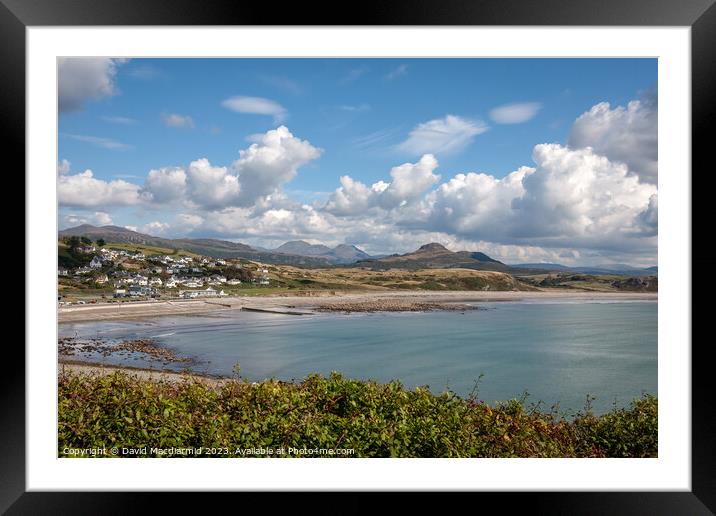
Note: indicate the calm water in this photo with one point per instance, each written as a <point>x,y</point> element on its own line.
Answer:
<point>557,351</point>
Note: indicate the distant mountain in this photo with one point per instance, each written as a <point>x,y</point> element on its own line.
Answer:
<point>434,255</point>
<point>303,248</point>
<point>341,254</point>
<point>618,269</point>
<point>205,246</point>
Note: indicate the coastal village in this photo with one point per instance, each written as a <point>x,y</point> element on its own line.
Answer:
<point>110,273</point>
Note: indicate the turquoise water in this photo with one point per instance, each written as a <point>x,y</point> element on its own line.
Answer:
<point>558,352</point>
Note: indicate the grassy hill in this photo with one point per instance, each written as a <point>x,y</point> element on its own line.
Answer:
<point>436,256</point>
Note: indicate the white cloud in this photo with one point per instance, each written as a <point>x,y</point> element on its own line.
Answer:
<point>580,196</point>
<point>283,83</point>
<point>354,74</point>
<point>260,172</point>
<point>271,162</point>
<point>211,187</point>
<point>409,182</point>
<point>351,198</point>
<point>105,143</point>
<point>516,113</point>
<point>85,78</point>
<point>256,106</point>
<point>98,218</point>
<point>63,167</point>
<point>354,108</point>
<point>122,120</point>
<point>627,135</point>
<point>188,221</point>
<point>165,184</point>
<point>442,135</point>
<point>476,204</point>
<point>155,228</point>
<point>399,71</point>
<point>178,121</point>
<point>574,205</point>
<point>84,190</point>
<point>573,198</point>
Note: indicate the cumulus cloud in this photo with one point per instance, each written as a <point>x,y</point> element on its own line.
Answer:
<point>409,182</point>
<point>442,135</point>
<point>574,205</point>
<point>255,106</point>
<point>271,162</point>
<point>572,198</point>
<point>84,190</point>
<point>80,79</point>
<point>211,187</point>
<point>516,113</point>
<point>63,167</point>
<point>476,204</point>
<point>155,228</point>
<point>579,195</point>
<point>178,121</point>
<point>624,134</point>
<point>260,172</point>
<point>165,184</point>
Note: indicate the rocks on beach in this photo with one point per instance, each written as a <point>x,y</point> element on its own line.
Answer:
<point>69,346</point>
<point>392,305</point>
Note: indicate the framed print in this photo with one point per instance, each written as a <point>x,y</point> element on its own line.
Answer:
<point>426,245</point>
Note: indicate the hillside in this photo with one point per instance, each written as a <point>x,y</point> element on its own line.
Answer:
<point>434,255</point>
<point>204,246</point>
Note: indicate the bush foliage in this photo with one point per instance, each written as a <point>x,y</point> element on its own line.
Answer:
<point>375,420</point>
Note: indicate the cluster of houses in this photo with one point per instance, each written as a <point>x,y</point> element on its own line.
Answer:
<point>145,278</point>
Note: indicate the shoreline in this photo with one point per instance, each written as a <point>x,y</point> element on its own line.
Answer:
<point>149,309</point>
<point>75,367</point>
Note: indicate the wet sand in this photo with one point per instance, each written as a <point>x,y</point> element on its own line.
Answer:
<point>138,310</point>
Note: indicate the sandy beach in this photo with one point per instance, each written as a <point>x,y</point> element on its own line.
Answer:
<point>135,310</point>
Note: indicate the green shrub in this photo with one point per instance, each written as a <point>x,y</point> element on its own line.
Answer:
<point>374,420</point>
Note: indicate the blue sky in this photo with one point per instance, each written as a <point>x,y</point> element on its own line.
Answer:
<point>120,119</point>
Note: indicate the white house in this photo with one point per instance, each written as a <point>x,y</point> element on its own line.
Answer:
<point>155,282</point>
<point>102,279</point>
<point>96,262</point>
<point>140,280</point>
<point>209,292</point>
<point>234,282</point>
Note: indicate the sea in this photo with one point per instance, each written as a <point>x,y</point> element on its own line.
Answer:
<point>555,354</point>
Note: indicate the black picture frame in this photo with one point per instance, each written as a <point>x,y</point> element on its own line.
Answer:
<point>700,15</point>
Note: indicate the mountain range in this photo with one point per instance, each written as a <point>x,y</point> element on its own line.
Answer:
<point>301,253</point>
<point>291,253</point>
